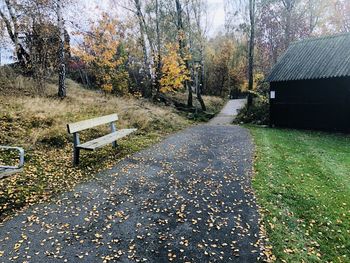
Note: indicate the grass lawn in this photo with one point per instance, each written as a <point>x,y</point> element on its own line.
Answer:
<point>302,182</point>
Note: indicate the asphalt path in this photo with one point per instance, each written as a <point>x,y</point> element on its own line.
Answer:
<point>228,113</point>
<point>186,199</point>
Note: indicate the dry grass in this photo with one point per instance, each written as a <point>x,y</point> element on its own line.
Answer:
<point>15,84</point>
<point>47,116</point>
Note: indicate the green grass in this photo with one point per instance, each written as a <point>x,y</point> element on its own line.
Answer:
<point>302,182</point>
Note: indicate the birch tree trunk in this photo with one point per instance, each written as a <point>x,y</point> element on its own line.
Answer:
<point>12,27</point>
<point>147,92</point>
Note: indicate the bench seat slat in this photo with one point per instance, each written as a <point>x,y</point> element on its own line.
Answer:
<point>104,140</point>
<point>83,125</point>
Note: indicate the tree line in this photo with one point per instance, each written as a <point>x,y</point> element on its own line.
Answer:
<point>150,48</point>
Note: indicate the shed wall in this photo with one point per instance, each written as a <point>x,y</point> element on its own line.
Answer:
<point>311,104</point>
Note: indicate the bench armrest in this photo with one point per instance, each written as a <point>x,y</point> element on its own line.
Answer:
<point>21,157</point>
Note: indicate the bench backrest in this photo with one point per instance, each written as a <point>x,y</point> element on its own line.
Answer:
<point>83,125</point>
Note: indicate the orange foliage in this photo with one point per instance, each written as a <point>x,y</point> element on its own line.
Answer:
<point>100,52</point>
<point>174,70</point>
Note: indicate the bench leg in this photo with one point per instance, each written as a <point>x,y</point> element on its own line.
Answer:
<point>76,149</point>
<point>115,144</point>
<point>76,156</point>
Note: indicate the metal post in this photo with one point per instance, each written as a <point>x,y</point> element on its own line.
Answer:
<point>114,129</point>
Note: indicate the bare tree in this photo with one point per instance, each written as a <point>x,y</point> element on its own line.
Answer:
<point>251,52</point>
<point>159,54</point>
<point>198,6</point>
<point>289,7</point>
<point>182,46</point>
<point>62,67</point>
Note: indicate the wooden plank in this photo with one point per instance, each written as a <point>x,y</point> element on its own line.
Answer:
<point>7,172</point>
<point>109,138</point>
<point>83,125</point>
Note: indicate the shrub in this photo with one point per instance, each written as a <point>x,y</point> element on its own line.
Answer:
<point>259,111</point>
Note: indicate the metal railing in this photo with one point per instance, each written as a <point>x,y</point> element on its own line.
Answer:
<point>21,157</point>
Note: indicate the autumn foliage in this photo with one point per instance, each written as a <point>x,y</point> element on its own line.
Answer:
<point>225,66</point>
<point>174,70</point>
<point>103,52</point>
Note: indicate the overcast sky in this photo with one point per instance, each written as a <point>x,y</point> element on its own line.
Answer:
<point>217,15</point>
<point>215,7</point>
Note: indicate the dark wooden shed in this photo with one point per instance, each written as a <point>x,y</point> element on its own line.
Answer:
<point>310,85</point>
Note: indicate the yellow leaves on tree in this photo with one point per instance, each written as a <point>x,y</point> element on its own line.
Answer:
<point>103,53</point>
<point>257,79</point>
<point>226,66</point>
<point>174,70</point>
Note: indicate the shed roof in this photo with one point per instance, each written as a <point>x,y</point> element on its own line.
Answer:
<point>315,58</point>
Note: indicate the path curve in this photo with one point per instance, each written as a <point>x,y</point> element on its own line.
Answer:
<point>229,112</point>
<point>186,199</point>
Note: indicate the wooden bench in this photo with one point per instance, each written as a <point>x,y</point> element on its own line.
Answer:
<point>6,171</point>
<point>75,128</point>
